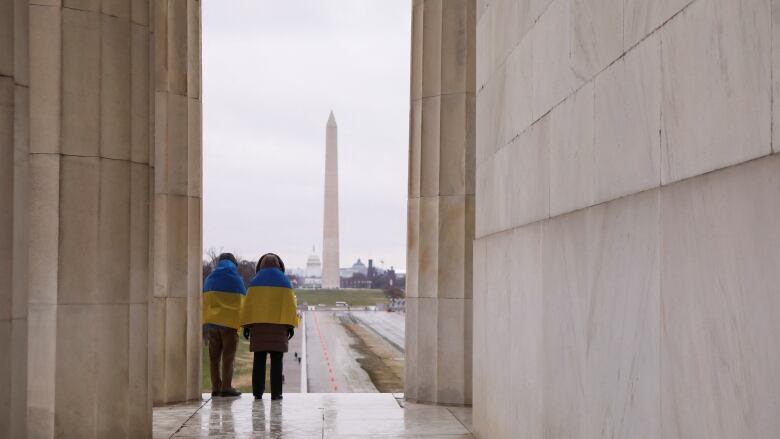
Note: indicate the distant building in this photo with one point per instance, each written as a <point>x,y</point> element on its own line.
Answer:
<point>313,265</point>
<point>357,268</point>
<point>312,282</point>
<point>312,275</point>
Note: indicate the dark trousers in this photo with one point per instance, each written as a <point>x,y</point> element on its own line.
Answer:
<point>222,351</point>
<point>258,374</point>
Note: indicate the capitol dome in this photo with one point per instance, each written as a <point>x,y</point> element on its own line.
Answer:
<point>313,265</point>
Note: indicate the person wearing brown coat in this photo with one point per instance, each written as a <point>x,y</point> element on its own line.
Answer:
<point>269,316</point>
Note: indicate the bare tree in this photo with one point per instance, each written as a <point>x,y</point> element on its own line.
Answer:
<point>210,261</point>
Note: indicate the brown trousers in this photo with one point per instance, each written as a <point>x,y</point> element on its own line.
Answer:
<point>222,349</point>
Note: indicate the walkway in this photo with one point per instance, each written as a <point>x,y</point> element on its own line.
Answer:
<point>332,364</point>
<point>310,416</point>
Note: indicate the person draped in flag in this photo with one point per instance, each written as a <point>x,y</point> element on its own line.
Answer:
<point>223,292</point>
<point>269,316</point>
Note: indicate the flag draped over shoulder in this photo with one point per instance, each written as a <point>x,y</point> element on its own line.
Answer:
<point>270,299</point>
<point>223,292</point>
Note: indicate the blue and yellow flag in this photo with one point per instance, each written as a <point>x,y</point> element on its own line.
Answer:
<point>223,292</point>
<point>270,299</point>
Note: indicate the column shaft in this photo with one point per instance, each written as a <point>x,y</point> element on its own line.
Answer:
<point>13,220</point>
<point>176,324</point>
<point>84,192</point>
<point>441,202</point>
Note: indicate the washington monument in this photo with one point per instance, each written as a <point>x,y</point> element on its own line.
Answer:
<point>330,235</point>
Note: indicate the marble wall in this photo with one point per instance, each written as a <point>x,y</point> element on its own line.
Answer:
<point>626,258</point>
<point>441,202</point>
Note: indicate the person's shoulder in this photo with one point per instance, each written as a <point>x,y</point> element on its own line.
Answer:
<point>270,277</point>
<point>224,280</point>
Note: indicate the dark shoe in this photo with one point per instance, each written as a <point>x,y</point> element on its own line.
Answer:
<point>231,392</point>
<point>276,398</point>
<point>215,394</point>
<point>258,397</point>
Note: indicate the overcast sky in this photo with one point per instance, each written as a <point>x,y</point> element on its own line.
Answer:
<point>272,71</point>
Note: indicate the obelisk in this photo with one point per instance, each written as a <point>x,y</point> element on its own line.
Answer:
<point>330,235</point>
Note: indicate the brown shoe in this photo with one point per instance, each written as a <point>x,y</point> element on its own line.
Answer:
<point>215,394</point>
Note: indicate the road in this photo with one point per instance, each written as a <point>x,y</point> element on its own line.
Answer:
<point>332,365</point>
<point>388,325</point>
<point>291,366</point>
<point>332,359</point>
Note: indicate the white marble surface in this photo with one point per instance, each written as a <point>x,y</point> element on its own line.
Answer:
<point>775,76</point>
<point>489,119</point>
<point>553,77</point>
<point>601,307</point>
<point>499,29</point>
<point>720,277</point>
<point>716,87</point>
<point>627,142</point>
<point>430,147</point>
<point>456,145</point>
<point>348,415</point>
<point>415,147</point>
<point>514,183</point>
<point>456,231</point>
<point>430,46</point>
<point>428,252</point>
<point>81,79</point>
<point>596,35</point>
<point>507,345</point>
<point>457,47</point>
<point>441,206</point>
<point>642,17</point>
<point>518,90</point>
<point>572,156</point>
<point>453,334</point>
<point>412,245</point>
<point>525,324</point>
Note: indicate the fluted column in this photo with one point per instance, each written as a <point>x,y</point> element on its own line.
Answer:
<point>176,325</point>
<point>441,202</point>
<point>14,82</point>
<point>84,187</point>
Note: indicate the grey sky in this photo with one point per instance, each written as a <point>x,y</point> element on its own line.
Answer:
<point>272,71</point>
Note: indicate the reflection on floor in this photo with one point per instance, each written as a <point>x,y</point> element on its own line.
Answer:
<point>311,415</point>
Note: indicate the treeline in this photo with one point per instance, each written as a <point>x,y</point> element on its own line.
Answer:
<point>388,282</point>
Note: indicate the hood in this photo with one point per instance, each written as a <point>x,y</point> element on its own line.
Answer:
<point>225,278</point>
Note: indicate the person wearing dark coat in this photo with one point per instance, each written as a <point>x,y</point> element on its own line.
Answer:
<point>269,316</point>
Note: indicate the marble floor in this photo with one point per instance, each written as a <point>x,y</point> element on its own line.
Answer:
<point>312,415</point>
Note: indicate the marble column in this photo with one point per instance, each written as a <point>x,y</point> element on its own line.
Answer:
<point>81,218</point>
<point>177,246</point>
<point>441,202</point>
<point>330,233</point>
<point>14,88</point>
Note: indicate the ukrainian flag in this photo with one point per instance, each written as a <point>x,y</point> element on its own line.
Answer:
<point>223,293</point>
<point>270,299</point>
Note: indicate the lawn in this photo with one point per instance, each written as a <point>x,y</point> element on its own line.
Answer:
<point>355,297</point>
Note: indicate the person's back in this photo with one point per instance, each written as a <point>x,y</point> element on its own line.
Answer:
<point>269,315</point>
<point>223,294</point>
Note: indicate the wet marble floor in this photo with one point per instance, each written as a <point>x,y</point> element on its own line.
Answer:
<point>311,415</point>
